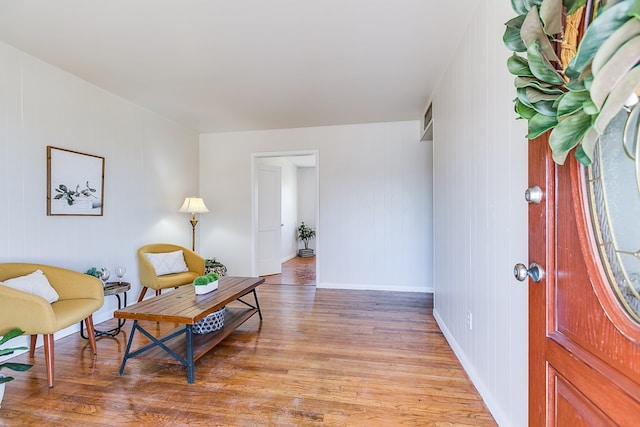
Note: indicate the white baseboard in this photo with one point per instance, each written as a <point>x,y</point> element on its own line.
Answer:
<point>369,287</point>
<point>483,390</point>
<point>288,257</point>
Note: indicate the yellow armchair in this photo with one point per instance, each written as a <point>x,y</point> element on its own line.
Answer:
<point>80,296</point>
<point>149,278</point>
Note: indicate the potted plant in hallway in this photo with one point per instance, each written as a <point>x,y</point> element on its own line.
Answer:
<point>305,233</point>
<point>16,332</point>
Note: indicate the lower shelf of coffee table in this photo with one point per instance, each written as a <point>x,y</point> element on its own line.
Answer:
<point>233,318</point>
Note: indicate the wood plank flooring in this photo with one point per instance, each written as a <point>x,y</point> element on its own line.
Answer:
<point>296,271</point>
<point>321,357</point>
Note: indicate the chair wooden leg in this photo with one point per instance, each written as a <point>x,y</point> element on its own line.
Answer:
<point>142,292</point>
<point>92,333</point>
<point>158,291</point>
<point>48,357</point>
<point>32,347</point>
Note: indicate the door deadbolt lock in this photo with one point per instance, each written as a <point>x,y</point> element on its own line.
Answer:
<point>521,272</point>
<point>533,194</point>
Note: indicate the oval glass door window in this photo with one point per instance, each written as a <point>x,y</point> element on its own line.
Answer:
<point>614,197</point>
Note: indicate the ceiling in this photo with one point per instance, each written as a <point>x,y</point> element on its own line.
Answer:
<point>232,65</point>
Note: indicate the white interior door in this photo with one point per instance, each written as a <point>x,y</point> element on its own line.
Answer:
<point>269,219</point>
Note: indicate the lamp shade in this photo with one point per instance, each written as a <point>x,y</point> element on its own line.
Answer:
<point>193,205</point>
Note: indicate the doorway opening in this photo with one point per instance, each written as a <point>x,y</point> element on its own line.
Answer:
<point>278,210</point>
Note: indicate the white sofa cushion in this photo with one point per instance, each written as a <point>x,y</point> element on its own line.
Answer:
<point>35,283</point>
<point>167,262</point>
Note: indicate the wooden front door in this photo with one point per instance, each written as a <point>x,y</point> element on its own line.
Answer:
<point>584,365</point>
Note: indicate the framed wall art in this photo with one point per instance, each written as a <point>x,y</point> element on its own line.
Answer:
<point>75,183</point>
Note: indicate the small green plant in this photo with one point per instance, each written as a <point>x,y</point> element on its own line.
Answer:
<point>206,279</point>
<point>19,367</point>
<point>202,281</point>
<point>306,233</point>
<point>93,271</point>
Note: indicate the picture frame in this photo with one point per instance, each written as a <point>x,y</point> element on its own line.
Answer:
<point>75,183</point>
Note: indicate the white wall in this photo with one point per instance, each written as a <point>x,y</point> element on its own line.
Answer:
<point>374,229</point>
<point>480,217</point>
<point>151,165</point>
<point>307,204</point>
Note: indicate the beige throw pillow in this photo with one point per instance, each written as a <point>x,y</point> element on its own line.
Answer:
<point>35,283</point>
<point>167,262</point>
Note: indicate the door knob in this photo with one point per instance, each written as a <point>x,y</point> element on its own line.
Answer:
<point>521,272</point>
<point>533,194</point>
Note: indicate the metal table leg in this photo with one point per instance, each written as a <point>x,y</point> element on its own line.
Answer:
<point>110,332</point>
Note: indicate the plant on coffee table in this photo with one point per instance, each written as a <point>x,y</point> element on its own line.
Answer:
<point>207,283</point>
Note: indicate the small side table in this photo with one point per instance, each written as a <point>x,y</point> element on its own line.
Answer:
<point>115,289</point>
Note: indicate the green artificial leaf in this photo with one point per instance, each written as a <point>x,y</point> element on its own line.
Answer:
<point>543,107</point>
<point>581,156</point>
<point>524,111</point>
<point>531,3</point>
<point>513,41</point>
<point>587,80</point>
<point>20,367</point>
<point>573,5</point>
<point>622,35</point>
<point>590,108</point>
<point>6,379</point>
<point>551,15</point>
<point>534,95</point>
<point>532,30</point>
<point>602,27</point>
<point>523,81</point>
<point>571,102</point>
<point>540,66</point>
<point>567,134</point>
<point>10,335</point>
<point>625,58</point>
<point>575,86</point>
<point>635,10</point>
<point>519,6</point>
<point>616,99</point>
<point>511,37</point>
<point>518,66</point>
<point>547,108</point>
<point>521,93</point>
<point>539,124</point>
<point>585,150</point>
<point>516,22</point>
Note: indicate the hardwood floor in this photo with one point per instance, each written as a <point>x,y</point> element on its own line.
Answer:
<point>321,357</point>
<point>296,271</point>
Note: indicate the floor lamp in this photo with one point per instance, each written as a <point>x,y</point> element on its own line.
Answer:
<point>193,205</point>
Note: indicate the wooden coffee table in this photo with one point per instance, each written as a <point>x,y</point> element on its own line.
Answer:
<point>183,306</point>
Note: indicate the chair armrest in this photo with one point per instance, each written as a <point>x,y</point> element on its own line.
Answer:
<point>146,272</point>
<point>31,313</point>
<point>74,285</point>
<point>194,261</point>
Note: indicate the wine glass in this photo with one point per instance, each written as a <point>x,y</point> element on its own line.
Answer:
<point>120,271</point>
<point>104,275</point>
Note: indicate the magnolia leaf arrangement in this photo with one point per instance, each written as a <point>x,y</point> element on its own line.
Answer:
<point>575,102</point>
